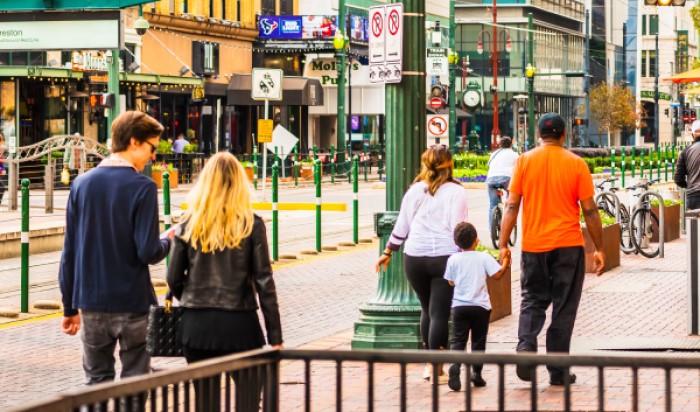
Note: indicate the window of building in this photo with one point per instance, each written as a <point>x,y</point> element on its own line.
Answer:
<point>653,24</point>
<point>644,24</point>
<point>652,63</point>
<point>644,63</point>
<point>286,7</point>
<point>267,7</point>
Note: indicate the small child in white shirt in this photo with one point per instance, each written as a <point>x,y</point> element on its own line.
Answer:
<point>471,305</point>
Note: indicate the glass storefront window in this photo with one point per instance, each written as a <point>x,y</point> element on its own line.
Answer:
<point>7,112</point>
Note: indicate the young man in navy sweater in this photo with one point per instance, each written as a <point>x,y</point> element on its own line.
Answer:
<point>111,237</point>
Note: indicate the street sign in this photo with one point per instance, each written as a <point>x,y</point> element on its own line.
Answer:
<point>385,43</point>
<point>282,140</point>
<point>394,42</point>
<point>266,84</point>
<point>437,125</point>
<point>265,131</point>
<point>436,61</point>
<point>436,102</point>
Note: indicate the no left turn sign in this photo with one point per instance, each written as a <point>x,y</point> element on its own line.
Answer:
<point>437,126</point>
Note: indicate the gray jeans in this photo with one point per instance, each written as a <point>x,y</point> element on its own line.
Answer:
<point>100,333</point>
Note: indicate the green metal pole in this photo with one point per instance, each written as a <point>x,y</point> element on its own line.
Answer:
<point>651,164</point>
<point>391,320</point>
<point>452,127</point>
<point>24,235</point>
<point>673,158</point>
<point>622,153</point>
<point>255,167</point>
<point>658,163</point>
<point>113,88</point>
<point>317,181</point>
<point>315,153</point>
<point>666,162</point>
<point>381,161</point>
<point>275,211</point>
<point>167,219</point>
<point>634,160</point>
<point>355,204</point>
<point>332,164</point>
<point>296,167</point>
<point>340,134</point>
<point>530,84</point>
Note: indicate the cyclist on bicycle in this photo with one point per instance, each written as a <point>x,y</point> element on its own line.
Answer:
<point>500,165</point>
<point>688,170</point>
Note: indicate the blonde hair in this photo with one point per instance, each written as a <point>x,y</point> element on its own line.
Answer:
<point>220,215</point>
<point>435,167</point>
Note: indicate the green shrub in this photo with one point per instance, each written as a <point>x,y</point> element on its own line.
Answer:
<point>493,252</point>
<point>164,147</point>
<point>190,148</point>
<point>606,219</point>
<point>162,166</point>
<point>667,202</point>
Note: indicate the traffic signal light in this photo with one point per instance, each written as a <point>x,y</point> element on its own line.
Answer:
<point>439,91</point>
<point>580,122</point>
<point>692,115</point>
<point>675,113</point>
<point>686,116</point>
<point>666,111</point>
<point>95,99</point>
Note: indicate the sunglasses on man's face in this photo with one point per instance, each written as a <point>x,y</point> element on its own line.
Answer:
<point>153,147</point>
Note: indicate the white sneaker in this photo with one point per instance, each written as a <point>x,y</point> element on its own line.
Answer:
<point>427,372</point>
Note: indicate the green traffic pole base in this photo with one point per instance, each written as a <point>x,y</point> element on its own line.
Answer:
<point>387,327</point>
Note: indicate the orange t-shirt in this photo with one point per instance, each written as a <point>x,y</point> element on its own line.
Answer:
<point>551,181</point>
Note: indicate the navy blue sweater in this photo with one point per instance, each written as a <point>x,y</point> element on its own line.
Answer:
<point>111,237</point>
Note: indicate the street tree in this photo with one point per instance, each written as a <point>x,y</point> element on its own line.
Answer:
<point>613,107</point>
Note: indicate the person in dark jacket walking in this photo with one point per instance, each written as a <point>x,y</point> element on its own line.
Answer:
<point>688,170</point>
<point>111,237</point>
<point>218,264</point>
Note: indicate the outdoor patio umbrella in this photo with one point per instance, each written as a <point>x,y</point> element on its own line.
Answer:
<point>695,90</point>
<point>686,77</point>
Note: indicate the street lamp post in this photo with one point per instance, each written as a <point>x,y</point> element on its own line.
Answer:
<point>452,60</point>
<point>530,71</point>
<point>339,45</point>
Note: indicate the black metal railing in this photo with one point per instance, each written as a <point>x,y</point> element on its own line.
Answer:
<point>258,373</point>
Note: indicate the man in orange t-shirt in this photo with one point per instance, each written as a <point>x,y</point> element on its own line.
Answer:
<point>554,185</point>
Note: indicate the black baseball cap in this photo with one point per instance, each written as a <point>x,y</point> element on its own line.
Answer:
<point>551,125</point>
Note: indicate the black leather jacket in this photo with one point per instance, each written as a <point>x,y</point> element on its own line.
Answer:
<point>688,169</point>
<point>227,279</point>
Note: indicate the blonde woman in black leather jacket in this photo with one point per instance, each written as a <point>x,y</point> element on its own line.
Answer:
<point>218,263</point>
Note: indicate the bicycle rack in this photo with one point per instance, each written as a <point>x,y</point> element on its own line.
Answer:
<point>617,202</point>
<point>661,216</point>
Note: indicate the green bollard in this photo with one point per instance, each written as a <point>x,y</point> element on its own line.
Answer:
<point>295,158</point>
<point>641,164</point>
<point>355,203</point>
<point>255,167</point>
<point>651,165</point>
<point>167,219</point>
<point>24,236</point>
<point>315,153</point>
<point>332,164</point>
<point>275,212</point>
<point>666,163</point>
<point>634,160</point>
<point>622,166</point>
<point>658,163</point>
<point>317,181</point>
<point>348,164</point>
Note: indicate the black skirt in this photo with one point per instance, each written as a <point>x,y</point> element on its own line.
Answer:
<point>221,330</point>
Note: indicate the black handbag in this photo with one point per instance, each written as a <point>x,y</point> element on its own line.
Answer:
<point>163,324</point>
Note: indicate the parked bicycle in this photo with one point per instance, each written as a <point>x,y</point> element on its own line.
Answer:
<point>644,223</point>
<point>606,203</point>
<point>497,215</point>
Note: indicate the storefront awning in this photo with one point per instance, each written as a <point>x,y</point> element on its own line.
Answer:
<point>461,114</point>
<point>160,79</point>
<point>296,91</point>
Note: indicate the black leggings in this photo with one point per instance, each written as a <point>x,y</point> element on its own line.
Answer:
<point>474,319</point>
<point>425,274</point>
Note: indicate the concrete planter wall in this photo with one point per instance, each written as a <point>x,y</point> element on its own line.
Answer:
<point>501,299</point>
<point>672,223</point>
<point>611,247</point>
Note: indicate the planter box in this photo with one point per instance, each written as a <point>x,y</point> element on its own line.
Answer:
<point>157,176</point>
<point>611,247</point>
<point>501,299</point>
<point>672,223</point>
<point>250,172</point>
<point>307,172</point>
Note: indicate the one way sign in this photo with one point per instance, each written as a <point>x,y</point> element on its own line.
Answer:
<point>266,84</point>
